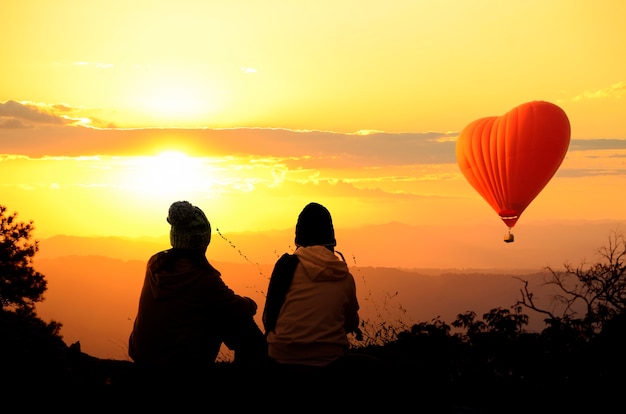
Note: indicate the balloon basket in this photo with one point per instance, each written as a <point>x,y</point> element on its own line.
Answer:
<point>509,238</point>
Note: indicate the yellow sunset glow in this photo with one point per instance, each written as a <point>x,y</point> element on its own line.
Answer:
<point>339,66</point>
<point>159,83</point>
<point>168,173</point>
<point>174,97</point>
<point>110,111</point>
<point>173,102</point>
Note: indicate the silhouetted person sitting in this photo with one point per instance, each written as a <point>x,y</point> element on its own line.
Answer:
<point>186,311</point>
<point>311,303</point>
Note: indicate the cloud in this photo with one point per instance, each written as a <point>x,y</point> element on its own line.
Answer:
<point>281,154</point>
<point>12,157</point>
<point>97,65</point>
<point>616,90</point>
<point>596,144</point>
<point>17,115</point>
<point>316,148</point>
<point>12,123</point>
<point>589,172</point>
<point>21,115</point>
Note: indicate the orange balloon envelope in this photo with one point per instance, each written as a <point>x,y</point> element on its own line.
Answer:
<point>509,159</point>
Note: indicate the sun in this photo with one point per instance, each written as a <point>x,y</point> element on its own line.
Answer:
<point>169,174</point>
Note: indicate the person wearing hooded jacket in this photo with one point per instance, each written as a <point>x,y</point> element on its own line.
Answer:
<point>311,304</point>
<point>186,311</point>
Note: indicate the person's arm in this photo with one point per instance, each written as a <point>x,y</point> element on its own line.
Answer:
<point>226,299</point>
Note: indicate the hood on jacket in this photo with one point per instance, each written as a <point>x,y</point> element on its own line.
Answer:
<point>182,272</point>
<point>321,264</point>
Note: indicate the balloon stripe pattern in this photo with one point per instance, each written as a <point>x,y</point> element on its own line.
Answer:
<point>509,159</point>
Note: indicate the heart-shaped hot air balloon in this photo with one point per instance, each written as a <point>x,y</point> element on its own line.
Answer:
<point>509,159</point>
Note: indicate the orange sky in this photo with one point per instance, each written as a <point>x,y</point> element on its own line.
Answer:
<point>110,111</point>
<point>265,106</point>
<point>325,65</point>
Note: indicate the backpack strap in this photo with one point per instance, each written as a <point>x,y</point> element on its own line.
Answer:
<point>281,278</point>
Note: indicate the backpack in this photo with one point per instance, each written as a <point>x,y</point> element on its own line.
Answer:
<point>281,278</point>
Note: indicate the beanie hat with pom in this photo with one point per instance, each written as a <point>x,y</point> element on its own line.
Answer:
<point>315,227</point>
<point>190,227</point>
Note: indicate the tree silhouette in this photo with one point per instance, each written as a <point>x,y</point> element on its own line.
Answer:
<point>21,286</point>
<point>599,290</point>
<point>30,348</point>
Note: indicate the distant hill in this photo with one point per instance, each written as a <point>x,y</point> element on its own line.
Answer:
<point>404,274</point>
<point>95,297</point>
<point>114,247</point>
<point>386,245</point>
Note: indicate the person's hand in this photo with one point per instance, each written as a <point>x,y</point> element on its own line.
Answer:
<point>253,306</point>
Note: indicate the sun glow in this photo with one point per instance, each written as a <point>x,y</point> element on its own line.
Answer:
<point>173,97</point>
<point>169,174</point>
<point>173,101</point>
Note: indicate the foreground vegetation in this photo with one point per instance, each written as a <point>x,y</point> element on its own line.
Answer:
<point>487,363</point>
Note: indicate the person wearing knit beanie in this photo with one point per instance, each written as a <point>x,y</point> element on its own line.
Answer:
<point>315,227</point>
<point>186,311</point>
<point>190,227</point>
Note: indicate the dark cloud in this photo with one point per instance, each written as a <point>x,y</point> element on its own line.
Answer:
<point>589,172</point>
<point>328,148</point>
<point>28,130</point>
<point>16,115</point>
<point>596,144</point>
<point>12,123</point>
